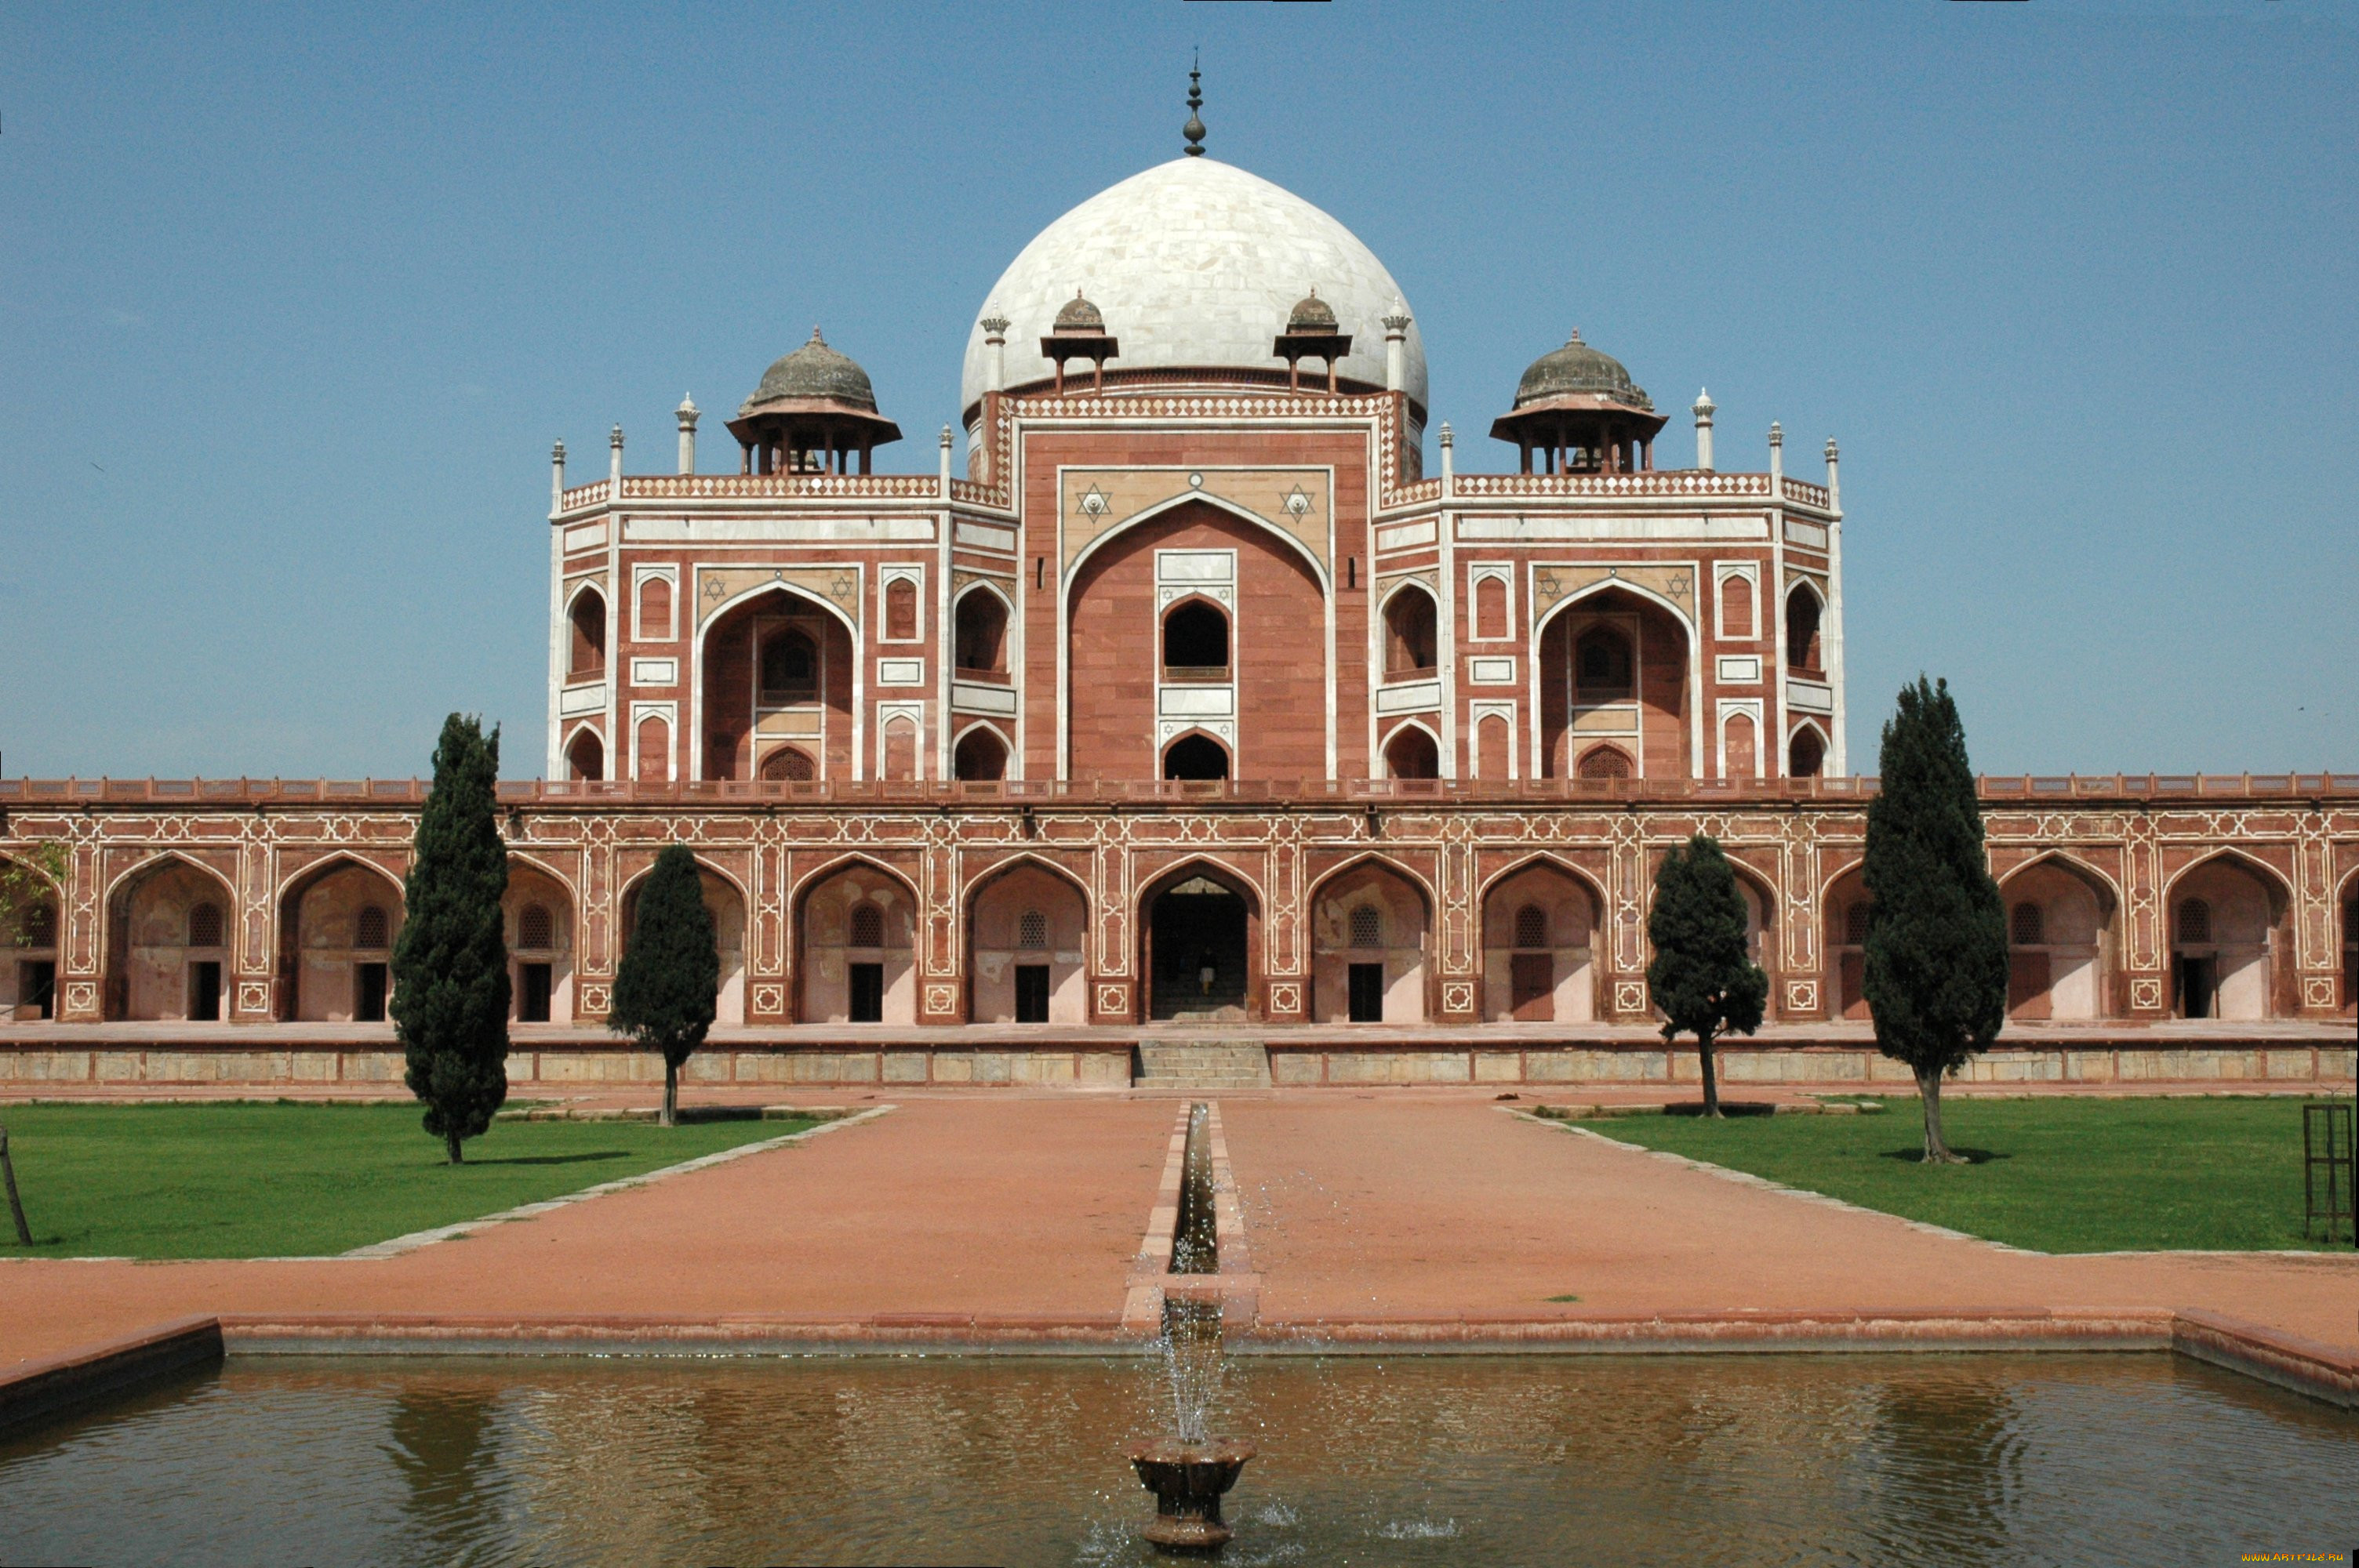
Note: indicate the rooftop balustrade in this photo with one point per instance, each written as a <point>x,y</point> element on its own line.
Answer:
<point>258,793</point>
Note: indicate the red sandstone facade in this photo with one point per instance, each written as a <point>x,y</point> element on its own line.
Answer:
<point>1192,698</point>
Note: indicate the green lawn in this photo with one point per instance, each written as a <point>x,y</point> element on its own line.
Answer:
<point>2057,1175</point>
<point>246,1181</point>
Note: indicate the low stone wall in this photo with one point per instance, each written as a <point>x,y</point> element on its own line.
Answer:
<point>54,1067</point>
<point>50,1068</point>
<point>1830,1065</point>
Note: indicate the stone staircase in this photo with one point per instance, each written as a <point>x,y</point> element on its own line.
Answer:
<point>1200,1064</point>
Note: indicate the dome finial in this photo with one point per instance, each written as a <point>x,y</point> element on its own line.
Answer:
<point>1194,129</point>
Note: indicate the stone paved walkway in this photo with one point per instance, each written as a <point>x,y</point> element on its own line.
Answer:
<point>1409,1204</point>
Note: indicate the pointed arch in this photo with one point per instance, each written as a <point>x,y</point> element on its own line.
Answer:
<point>1608,585</point>
<point>1378,859</point>
<point>839,977</point>
<point>322,977</point>
<point>1393,738</point>
<point>1370,939</point>
<point>1195,739</point>
<point>701,719</point>
<point>1538,719</point>
<point>2282,896</point>
<point>587,731</point>
<point>1026,938</point>
<point>1807,747</point>
<point>2069,861</point>
<point>1542,857</point>
<point>972,632</point>
<point>1319,571</point>
<point>160,977</point>
<point>1199,957</point>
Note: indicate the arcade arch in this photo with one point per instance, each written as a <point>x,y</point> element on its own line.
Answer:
<point>29,973</point>
<point>1538,924</point>
<point>857,933</point>
<point>1411,753</point>
<point>1411,639</point>
<point>1027,944</point>
<point>1199,941</point>
<point>586,651</point>
<point>1369,925</point>
<point>1803,611</point>
<point>2060,942</point>
<point>1612,668</point>
<point>1196,756</point>
<point>727,906</point>
<point>2225,916</point>
<point>337,925</point>
<point>1806,752</point>
<point>585,756</point>
<point>1277,658</point>
<point>537,910</point>
<point>778,666</point>
<point>979,633</point>
<point>169,953</point>
<point>980,756</point>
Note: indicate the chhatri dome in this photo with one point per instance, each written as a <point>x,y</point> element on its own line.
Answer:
<point>1194,263</point>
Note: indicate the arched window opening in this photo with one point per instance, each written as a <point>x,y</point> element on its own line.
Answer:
<point>1531,926</point>
<point>371,929</point>
<point>901,609</point>
<point>1411,755</point>
<point>1735,609</point>
<point>1490,609</point>
<point>536,928</point>
<point>1806,753</point>
<point>1197,757</point>
<point>204,925</point>
<point>981,757</point>
<point>1802,630</point>
<point>2195,921</point>
<point>39,928</point>
<point>787,765</point>
<point>1603,762</point>
<point>1367,926</point>
<point>981,634</point>
<point>1855,925</point>
<point>588,660</point>
<point>1409,638</point>
<point>2029,924</point>
<point>789,669</point>
<point>586,758</point>
<point>867,927</point>
<point>1032,929</point>
<point>1602,664</point>
<point>1196,641</point>
<point>654,610</point>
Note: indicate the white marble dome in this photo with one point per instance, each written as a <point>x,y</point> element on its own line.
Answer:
<point>1194,263</point>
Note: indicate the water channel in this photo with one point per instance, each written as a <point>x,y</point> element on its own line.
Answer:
<point>2013,1459</point>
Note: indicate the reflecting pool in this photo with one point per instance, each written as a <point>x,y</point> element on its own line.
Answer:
<point>2000,1460</point>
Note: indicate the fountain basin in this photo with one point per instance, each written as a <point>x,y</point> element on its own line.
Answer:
<point>1188,1480</point>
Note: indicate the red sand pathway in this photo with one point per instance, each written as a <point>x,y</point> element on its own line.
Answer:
<point>1403,1204</point>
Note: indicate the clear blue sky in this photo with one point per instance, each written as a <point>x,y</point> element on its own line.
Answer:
<point>293,302</point>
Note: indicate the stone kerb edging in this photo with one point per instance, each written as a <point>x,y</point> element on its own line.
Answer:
<point>2305,1366</point>
<point>1745,1330</point>
<point>55,1385</point>
<point>622,1334</point>
<point>1237,1287</point>
<point>398,1245</point>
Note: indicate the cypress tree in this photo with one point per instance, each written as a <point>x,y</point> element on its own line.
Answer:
<point>1704,978</point>
<point>1936,969</point>
<point>665,990</point>
<point>450,965</point>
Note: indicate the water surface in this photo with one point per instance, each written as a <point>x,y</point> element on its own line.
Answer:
<point>1999,1460</point>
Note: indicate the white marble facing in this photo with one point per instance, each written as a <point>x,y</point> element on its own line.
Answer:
<point>1193,262</point>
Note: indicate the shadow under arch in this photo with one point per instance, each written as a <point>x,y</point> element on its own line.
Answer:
<point>813,993</point>
<point>1200,943</point>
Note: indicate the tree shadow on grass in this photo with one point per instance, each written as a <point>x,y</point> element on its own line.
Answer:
<point>1917,1156</point>
<point>556,1159</point>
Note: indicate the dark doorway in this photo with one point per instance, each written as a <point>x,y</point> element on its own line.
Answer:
<point>532,998</point>
<point>867,993</point>
<point>1368,983</point>
<point>1196,757</point>
<point>2199,986</point>
<point>1531,987</point>
<point>368,993</point>
<point>1031,993</point>
<point>1197,935</point>
<point>204,990</point>
<point>37,986</point>
<point>1196,637</point>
